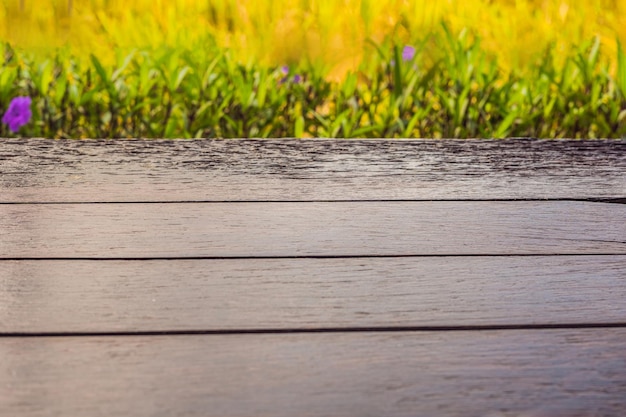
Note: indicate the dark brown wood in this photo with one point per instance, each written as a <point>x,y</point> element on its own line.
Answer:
<point>113,253</point>
<point>310,229</point>
<point>35,170</point>
<point>133,296</point>
<point>467,374</point>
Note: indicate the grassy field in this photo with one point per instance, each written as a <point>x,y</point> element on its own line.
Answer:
<point>307,68</point>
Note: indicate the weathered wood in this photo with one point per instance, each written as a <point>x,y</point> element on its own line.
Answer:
<point>561,373</point>
<point>310,229</point>
<point>187,240</point>
<point>226,294</point>
<point>33,170</point>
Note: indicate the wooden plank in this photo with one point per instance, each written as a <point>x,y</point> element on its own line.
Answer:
<point>522,373</point>
<point>226,294</point>
<point>34,170</point>
<point>310,229</point>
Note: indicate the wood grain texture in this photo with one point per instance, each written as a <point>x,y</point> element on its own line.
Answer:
<point>310,229</point>
<point>185,237</point>
<point>571,373</point>
<point>133,296</point>
<point>34,170</point>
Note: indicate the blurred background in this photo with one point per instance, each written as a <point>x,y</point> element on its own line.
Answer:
<point>333,35</point>
<point>316,68</point>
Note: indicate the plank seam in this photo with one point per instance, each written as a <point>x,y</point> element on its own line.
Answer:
<point>252,257</point>
<point>609,200</point>
<point>364,329</point>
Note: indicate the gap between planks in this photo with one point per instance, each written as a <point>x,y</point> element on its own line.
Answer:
<point>616,200</point>
<point>295,257</point>
<point>277,331</point>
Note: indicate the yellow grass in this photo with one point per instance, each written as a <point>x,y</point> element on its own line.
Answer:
<point>330,33</point>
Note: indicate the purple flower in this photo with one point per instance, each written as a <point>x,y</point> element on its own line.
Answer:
<point>285,70</point>
<point>408,53</point>
<point>18,113</point>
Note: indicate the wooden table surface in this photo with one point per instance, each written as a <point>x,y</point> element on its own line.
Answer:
<point>312,278</point>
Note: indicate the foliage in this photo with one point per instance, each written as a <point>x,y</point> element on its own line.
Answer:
<point>122,72</point>
<point>332,35</point>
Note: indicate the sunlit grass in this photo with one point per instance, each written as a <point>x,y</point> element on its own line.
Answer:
<point>331,34</point>
<point>214,68</point>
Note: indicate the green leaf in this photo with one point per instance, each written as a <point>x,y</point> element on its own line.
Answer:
<point>104,77</point>
<point>299,127</point>
<point>179,78</point>
<point>127,60</point>
<point>381,53</point>
<point>397,72</point>
<point>337,124</point>
<point>366,14</point>
<point>408,130</point>
<point>60,88</point>
<point>349,85</point>
<point>7,81</point>
<point>592,59</point>
<point>86,97</point>
<point>621,68</point>
<point>363,131</point>
<point>506,124</point>
<point>44,78</point>
<point>99,69</point>
<point>262,88</point>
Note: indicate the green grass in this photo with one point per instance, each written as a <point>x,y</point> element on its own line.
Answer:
<point>457,92</point>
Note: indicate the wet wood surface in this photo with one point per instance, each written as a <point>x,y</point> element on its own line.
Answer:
<point>313,278</point>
